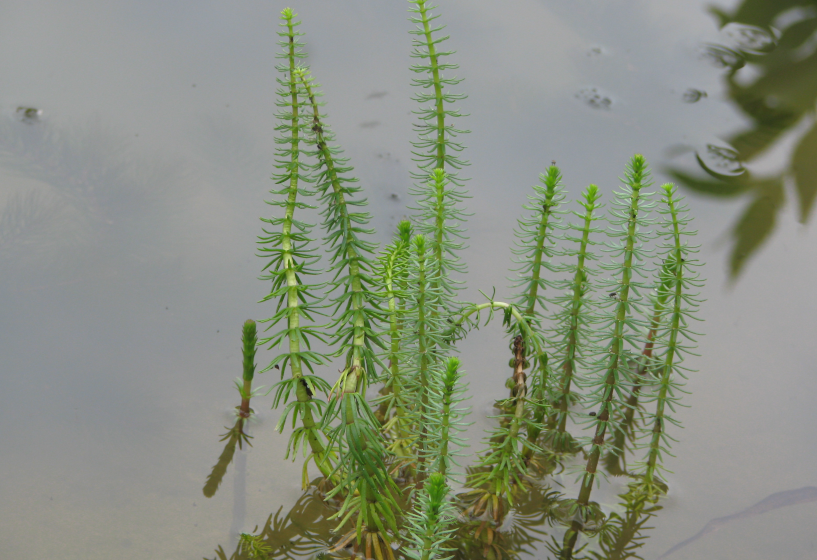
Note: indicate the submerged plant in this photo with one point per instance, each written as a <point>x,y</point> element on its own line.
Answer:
<point>590,345</point>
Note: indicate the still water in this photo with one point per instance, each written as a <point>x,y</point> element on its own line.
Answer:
<point>136,142</point>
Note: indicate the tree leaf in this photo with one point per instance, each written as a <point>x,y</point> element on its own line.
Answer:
<point>804,166</point>
<point>756,224</point>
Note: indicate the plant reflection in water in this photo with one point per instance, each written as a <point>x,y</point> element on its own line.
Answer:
<point>775,39</point>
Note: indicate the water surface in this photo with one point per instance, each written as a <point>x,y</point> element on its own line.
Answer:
<point>134,190</point>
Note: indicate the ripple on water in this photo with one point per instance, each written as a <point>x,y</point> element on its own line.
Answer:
<point>750,39</point>
<point>595,98</point>
<point>693,95</point>
<point>723,57</point>
<point>721,160</point>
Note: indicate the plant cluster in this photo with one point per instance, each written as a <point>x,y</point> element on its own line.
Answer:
<point>597,330</point>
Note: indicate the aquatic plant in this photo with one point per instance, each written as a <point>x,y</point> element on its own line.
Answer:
<point>591,345</point>
<point>237,435</point>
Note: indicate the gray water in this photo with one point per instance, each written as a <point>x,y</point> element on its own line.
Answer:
<point>130,209</point>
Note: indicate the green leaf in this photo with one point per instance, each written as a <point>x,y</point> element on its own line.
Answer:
<point>755,226</point>
<point>804,166</point>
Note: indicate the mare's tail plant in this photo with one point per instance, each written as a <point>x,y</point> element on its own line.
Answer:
<point>500,473</point>
<point>425,345</point>
<point>582,349</point>
<point>439,194</point>
<point>370,494</point>
<point>625,432</point>
<point>395,406</point>
<point>436,147</point>
<point>431,523</point>
<point>535,249</point>
<point>237,435</point>
<point>287,244</point>
<point>618,328</point>
<point>249,341</point>
<point>575,315</point>
<point>673,337</point>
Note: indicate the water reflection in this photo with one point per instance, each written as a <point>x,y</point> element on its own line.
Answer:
<point>234,436</point>
<point>537,521</point>
<point>305,530</point>
<point>776,39</point>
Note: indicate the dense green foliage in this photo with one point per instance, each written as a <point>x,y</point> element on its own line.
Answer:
<point>597,340</point>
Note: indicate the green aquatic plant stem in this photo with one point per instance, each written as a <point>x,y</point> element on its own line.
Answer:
<point>504,465</point>
<point>519,393</point>
<point>394,279</point>
<point>549,199</point>
<point>357,304</point>
<point>508,308</point>
<point>579,289</point>
<point>437,194</point>
<point>444,418</point>
<point>249,339</point>
<point>397,397</point>
<point>533,253</point>
<point>677,266</point>
<point>662,293</point>
<point>291,260</point>
<point>438,90</point>
<point>502,468</point>
<point>440,218</point>
<point>616,358</point>
<point>361,469</point>
<point>352,257</point>
<point>539,399</point>
<point>430,522</point>
<point>437,156</point>
<point>286,238</point>
<point>449,380</point>
<point>424,344</point>
<point>674,340</point>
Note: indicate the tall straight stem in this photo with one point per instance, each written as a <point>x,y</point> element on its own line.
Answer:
<point>616,352</point>
<point>438,90</point>
<point>293,317</point>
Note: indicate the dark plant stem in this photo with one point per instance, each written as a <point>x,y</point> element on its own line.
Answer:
<point>616,358</point>
<point>423,348</point>
<point>614,460</point>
